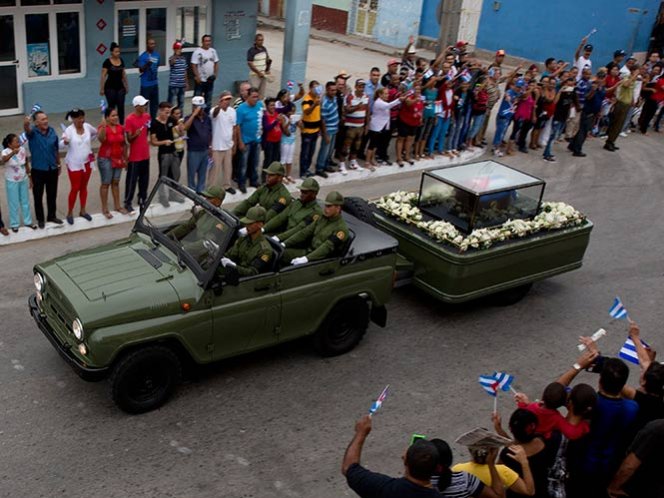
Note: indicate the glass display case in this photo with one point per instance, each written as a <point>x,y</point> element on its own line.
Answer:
<point>479,195</point>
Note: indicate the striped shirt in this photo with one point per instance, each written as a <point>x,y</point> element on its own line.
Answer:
<point>176,79</point>
<point>330,114</point>
<point>462,485</point>
<point>357,118</point>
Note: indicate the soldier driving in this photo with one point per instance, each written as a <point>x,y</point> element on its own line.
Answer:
<point>272,195</point>
<point>321,239</point>
<point>215,196</point>
<point>298,214</point>
<point>252,254</point>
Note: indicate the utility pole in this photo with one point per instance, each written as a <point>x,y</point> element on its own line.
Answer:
<point>296,41</point>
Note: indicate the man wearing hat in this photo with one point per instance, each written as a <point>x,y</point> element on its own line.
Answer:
<point>137,125</point>
<point>618,57</point>
<point>272,195</point>
<point>201,229</point>
<point>582,61</point>
<point>300,213</point>
<point>252,254</point>
<point>321,239</point>
<point>409,57</point>
<point>177,77</point>
<point>392,68</point>
<point>199,128</point>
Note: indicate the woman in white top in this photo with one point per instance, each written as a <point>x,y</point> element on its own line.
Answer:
<point>379,124</point>
<point>17,181</point>
<point>78,138</point>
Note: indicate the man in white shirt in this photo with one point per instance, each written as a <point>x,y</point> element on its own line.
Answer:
<point>224,119</point>
<point>582,61</point>
<point>205,66</point>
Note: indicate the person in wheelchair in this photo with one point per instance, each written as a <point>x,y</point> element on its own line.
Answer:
<point>324,238</point>
<point>252,254</point>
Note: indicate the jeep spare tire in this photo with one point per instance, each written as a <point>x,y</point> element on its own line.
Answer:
<point>145,378</point>
<point>360,208</point>
<point>343,327</point>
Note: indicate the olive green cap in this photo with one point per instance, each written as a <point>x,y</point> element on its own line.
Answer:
<point>334,199</point>
<point>214,192</point>
<point>276,168</point>
<point>309,184</point>
<point>256,213</point>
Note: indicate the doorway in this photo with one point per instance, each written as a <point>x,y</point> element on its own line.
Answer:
<point>10,96</point>
<point>365,17</point>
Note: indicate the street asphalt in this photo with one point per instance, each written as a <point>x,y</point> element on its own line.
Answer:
<point>276,423</point>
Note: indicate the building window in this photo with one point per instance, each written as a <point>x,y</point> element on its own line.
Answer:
<point>190,25</point>
<point>69,43</point>
<point>128,33</point>
<point>155,23</point>
<point>38,46</point>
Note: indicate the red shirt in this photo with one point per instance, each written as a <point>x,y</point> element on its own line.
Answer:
<point>139,150</point>
<point>113,146</point>
<point>658,94</point>
<point>412,114</point>
<point>611,81</point>
<point>271,127</point>
<point>549,420</point>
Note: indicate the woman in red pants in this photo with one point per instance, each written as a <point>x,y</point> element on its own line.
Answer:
<point>78,138</point>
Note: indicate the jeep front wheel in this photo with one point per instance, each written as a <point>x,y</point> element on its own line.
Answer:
<point>144,379</point>
<point>343,328</point>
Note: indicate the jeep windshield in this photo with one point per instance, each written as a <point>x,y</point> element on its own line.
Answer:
<point>190,226</point>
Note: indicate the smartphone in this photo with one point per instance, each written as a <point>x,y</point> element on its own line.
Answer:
<point>415,437</point>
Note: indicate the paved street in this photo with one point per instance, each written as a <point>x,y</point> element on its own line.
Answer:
<point>276,423</point>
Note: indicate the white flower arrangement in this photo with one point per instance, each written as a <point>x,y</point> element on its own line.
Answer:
<point>552,216</point>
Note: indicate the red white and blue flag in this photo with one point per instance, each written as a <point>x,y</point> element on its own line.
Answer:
<point>379,402</point>
<point>628,351</point>
<point>504,380</point>
<point>489,384</point>
<point>618,310</point>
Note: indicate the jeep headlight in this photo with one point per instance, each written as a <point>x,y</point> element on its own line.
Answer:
<point>77,328</point>
<point>40,283</point>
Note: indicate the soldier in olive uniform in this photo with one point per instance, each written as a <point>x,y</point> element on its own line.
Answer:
<point>199,226</point>
<point>273,196</point>
<point>298,214</point>
<point>252,254</point>
<point>321,239</point>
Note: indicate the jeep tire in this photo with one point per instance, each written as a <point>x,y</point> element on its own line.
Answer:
<point>343,327</point>
<point>145,378</point>
<point>358,207</point>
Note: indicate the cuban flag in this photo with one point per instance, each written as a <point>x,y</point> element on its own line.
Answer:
<point>489,384</point>
<point>22,138</point>
<point>35,108</point>
<point>102,106</point>
<point>379,402</point>
<point>618,310</point>
<point>290,84</point>
<point>504,380</point>
<point>628,351</point>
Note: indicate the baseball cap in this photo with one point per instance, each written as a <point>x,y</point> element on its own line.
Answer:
<point>177,45</point>
<point>587,46</point>
<point>310,184</point>
<point>391,62</point>
<point>618,53</point>
<point>520,83</point>
<point>139,100</point>
<point>256,213</point>
<point>276,168</point>
<point>225,95</point>
<point>461,44</point>
<point>500,52</point>
<point>214,192</point>
<point>360,81</point>
<point>198,101</point>
<point>334,198</point>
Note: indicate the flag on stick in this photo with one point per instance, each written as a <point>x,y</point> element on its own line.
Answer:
<point>489,384</point>
<point>504,380</point>
<point>379,402</point>
<point>618,310</point>
<point>35,108</point>
<point>628,351</point>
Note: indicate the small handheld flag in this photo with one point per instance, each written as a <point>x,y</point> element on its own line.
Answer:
<point>592,32</point>
<point>290,84</point>
<point>504,380</point>
<point>102,106</point>
<point>63,127</point>
<point>489,384</point>
<point>22,138</point>
<point>628,351</point>
<point>379,402</point>
<point>618,310</point>
<point>35,108</point>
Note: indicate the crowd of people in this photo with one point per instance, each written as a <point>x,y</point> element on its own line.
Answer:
<point>425,108</point>
<point>606,444</point>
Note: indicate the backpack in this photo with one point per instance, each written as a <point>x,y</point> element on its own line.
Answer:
<point>557,475</point>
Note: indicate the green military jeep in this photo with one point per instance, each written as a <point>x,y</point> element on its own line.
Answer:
<point>139,309</point>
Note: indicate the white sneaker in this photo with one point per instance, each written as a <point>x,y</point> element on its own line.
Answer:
<point>353,164</point>
<point>342,168</point>
<point>623,134</point>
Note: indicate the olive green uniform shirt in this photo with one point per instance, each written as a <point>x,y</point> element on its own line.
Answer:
<point>251,256</point>
<point>274,199</point>
<point>293,219</point>
<point>323,238</point>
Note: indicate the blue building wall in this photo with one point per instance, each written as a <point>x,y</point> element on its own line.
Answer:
<point>429,24</point>
<point>538,30</point>
<point>231,44</point>
<point>397,20</point>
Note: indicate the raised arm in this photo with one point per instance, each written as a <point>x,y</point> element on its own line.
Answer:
<point>354,450</point>
<point>577,54</point>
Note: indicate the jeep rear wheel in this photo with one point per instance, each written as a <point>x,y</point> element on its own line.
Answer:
<point>360,208</point>
<point>343,328</point>
<point>144,379</point>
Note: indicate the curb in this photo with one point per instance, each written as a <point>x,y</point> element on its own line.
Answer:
<point>26,234</point>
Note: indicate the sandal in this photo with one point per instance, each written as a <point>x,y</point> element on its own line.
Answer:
<point>108,215</point>
<point>122,210</point>
<point>33,226</point>
<point>4,231</point>
<point>412,163</point>
<point>400,164</point>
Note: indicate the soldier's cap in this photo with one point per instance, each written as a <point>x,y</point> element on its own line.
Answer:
<point>214,192</point>
<point>256,213</point>
<point>309,184</point>
<point>334,199</point>
<point>276,168</point>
